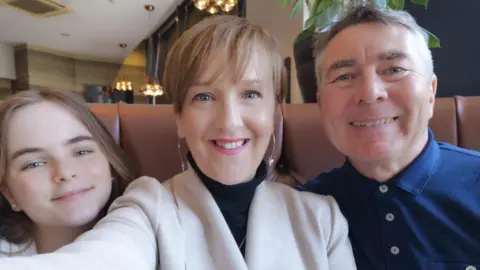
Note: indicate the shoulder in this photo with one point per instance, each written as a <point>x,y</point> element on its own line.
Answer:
<point>322,210</point>
<point>449,149</point>
<point>459,159</point>
<point>317,204</point>
<point>325,183</point>
<point>145,194</point>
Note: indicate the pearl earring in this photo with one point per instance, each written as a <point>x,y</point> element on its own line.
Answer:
<point>14,206</point>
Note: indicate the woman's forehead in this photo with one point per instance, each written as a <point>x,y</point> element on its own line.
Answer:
<point>255,68</point>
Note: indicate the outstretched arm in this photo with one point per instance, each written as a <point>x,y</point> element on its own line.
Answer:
<point>124,239</point>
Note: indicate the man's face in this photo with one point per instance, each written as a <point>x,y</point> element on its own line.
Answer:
<point>377,93</point>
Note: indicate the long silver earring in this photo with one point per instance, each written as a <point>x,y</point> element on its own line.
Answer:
<point>180,155</point>
<point>270,159</point>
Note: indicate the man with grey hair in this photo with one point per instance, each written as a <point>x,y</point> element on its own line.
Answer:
<point>411,202</point>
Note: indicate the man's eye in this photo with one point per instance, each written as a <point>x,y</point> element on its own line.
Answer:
<point>343,77</point>
<point>394,70</point>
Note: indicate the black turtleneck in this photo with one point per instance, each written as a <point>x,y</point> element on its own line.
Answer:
<point>233,200</point>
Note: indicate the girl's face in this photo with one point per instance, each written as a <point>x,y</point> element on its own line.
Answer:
<point>57,174</point>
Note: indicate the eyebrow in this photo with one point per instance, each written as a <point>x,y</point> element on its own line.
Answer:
<point>240,82</point>
<point>29,150</point>
<point>386,56</point>
<point>341,64</point>
<point>392,55</point>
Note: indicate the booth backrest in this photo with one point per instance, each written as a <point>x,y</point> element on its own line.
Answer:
<point>148,135</point>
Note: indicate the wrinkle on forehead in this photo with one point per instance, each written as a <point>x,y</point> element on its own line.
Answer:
<point>365,42</point>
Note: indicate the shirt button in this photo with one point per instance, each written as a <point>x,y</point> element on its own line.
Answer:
<point>389,217</point>
<point>394,250</point>
<point>383,188</point>
<point>471,267</point>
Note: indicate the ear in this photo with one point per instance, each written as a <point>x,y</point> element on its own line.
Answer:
<point>8,196</point>
<point>180,129</point>
<point>432,92</point>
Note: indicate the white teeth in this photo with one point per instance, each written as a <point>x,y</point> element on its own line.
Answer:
<point>230,145</point>
<point>372,123</point>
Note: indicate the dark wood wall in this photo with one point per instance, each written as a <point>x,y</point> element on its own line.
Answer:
<point>185,16</point>
<point>456,62</point>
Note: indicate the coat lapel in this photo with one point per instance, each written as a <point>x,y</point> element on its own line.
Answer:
<point>208,240</point>
<point>270,241</point>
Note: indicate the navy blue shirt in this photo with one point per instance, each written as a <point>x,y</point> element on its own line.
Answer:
<point>426,217</point>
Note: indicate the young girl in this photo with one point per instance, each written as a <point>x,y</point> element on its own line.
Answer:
<point>59,171</point>
<point>224,78</point>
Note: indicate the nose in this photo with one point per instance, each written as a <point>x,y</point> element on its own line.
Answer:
<point>371,90</point>
<point>229,114</point>
<point>63,172</point>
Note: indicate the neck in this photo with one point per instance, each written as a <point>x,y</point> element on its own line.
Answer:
<point>48,239</point>
<point>385,170</point>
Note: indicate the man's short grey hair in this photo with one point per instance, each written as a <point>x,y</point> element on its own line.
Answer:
<point>370,14</point>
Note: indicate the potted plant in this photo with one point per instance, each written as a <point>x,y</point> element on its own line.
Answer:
<point>322,14</point>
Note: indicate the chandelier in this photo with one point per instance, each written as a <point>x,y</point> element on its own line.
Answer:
<point>123,84</point>
<point>152,89</point>
<point>215,6</point>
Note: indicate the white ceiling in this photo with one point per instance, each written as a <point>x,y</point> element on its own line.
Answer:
<point>95,27</point>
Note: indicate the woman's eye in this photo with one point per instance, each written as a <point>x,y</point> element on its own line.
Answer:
<point>33,165</point>
<point>202,97</point>
<point>83,153</point>
<point>252,95</point>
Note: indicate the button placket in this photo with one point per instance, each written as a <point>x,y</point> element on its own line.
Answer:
<point>386,211</point>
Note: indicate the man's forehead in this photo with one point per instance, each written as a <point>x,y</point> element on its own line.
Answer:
<point>373,41</point>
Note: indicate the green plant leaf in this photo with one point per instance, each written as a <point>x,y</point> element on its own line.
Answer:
<point>283,3</point>
<point>318,7</point>
<point>396,4</point>
<point>305,33</point>
<point>433,41</point>
<point>321,5</point>
<point>297,7</point>
<point>379,3</point>
<point>420,2</point>
<point>331,14</point>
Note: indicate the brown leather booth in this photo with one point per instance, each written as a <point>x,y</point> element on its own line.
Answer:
<point>148,135</point>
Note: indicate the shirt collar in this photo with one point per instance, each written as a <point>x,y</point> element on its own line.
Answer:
<point>412,179</point>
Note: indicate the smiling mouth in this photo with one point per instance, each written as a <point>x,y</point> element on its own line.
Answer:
<point>374,123</point>
<point>230,145</point>
<point>72,194</point>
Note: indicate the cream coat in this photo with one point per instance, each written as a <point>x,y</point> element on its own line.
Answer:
<point>179,226</point>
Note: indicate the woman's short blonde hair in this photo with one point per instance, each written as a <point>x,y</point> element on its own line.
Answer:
<point>231,39</point>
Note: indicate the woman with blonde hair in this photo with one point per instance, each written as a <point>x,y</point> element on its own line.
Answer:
<point>224,77</point>
<point>59,171</point>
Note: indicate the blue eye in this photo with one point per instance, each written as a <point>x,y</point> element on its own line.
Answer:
<point>343,77</point>
<point>202,97</point>
<point>83,153</point>
<point>394,70</point>
<point>33,165</point>
<point>252,95</point>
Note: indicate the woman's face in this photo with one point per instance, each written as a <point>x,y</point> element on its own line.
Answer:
<point>227,124</point>
<point>57,174</point>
